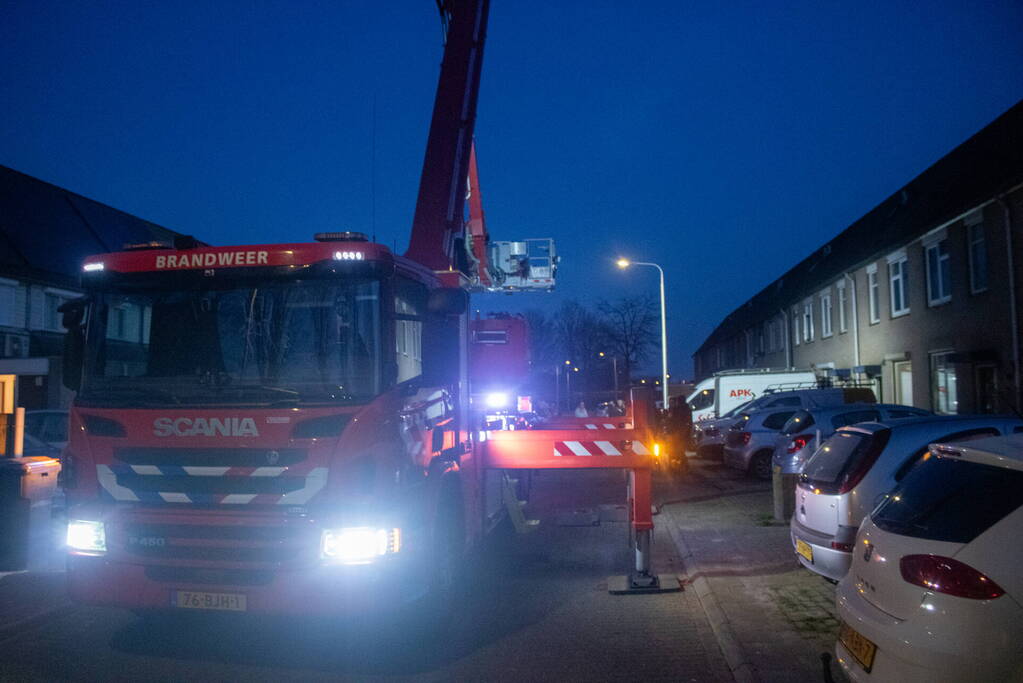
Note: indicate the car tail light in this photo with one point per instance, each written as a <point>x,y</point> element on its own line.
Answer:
<point>798,443</point>
<point>844,547</point>
<point>945,575</point>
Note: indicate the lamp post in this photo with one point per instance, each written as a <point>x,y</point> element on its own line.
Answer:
<point>624,263</point>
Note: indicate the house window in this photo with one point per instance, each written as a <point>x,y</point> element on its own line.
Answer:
<point>978,258</point>
<point>826,330</point>
<point>841,306</point>
<point>795,326</point>
<point>944,397</point>
<point>898,286</point>
<point>8,297</point>
<point>939,278</point>
<point>808,320</point>
<point>873,294</point>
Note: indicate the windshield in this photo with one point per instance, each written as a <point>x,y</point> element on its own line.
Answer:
<point>702,399</point>
<point>278,342</point>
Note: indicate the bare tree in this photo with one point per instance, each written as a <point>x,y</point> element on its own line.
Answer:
<point>631,328</point>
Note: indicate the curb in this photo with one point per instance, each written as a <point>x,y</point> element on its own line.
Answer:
<point>735,657</point>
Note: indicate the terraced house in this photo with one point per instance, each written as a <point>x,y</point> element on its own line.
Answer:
<point>921,296</point>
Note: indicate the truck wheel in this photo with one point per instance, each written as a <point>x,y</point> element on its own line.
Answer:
<point>760,465</point>
<point>448,547</point>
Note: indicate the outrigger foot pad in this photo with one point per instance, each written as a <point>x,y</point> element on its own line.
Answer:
<point>640,584</point>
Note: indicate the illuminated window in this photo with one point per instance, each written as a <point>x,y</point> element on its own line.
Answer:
<point>808,320</point>
<point>944,390</point>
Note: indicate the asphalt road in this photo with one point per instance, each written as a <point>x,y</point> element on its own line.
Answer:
<point>536,609</point>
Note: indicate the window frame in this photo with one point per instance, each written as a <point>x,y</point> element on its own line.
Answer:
<point>827,314</point>
<point>873,294</point>
<point>808,329</point>
<point>843,321</point>
<point>898,280</point>
<point>972,230</point>
<point>939,273</point>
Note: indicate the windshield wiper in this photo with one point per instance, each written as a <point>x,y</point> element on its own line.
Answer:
<point>267,393</point>
<point>146,396</point>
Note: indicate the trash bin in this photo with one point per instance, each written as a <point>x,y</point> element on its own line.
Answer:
<point>25,483</point>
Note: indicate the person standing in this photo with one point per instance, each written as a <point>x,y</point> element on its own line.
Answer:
<point>580,410</point>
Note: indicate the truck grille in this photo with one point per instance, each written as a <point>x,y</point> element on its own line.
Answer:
<point>248,544</point>
<point>211,457</point>
<point>211,476</point>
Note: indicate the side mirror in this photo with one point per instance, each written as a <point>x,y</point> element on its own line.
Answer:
<point>448,301</point>
<point>73,314</point>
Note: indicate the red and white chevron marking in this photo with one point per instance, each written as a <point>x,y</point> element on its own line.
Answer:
<point>584,448</point>
<point>607,425</point>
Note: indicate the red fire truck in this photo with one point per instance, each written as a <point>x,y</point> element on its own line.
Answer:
<point>284,428</point>
<point>287,428</point>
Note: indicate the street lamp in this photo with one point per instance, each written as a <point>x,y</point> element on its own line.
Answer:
<point>624,263</point>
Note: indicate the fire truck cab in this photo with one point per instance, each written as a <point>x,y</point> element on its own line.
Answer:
<point>273,429</point>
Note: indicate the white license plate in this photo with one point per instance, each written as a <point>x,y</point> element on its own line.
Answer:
<point>232,602</point>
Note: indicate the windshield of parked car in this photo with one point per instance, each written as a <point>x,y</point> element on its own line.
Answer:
<point>738,409</point>
<point>266,343</point>
<point>702,399</point>
<point>946,499</point>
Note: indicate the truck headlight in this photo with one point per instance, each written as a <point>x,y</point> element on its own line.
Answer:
<point>86,537</point>
<point>359,544</point>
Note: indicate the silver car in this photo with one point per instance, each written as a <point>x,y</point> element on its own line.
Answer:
<point>749,443</point>
<point>710,434</point>
<point>853,470</point>
<point>807,429</point>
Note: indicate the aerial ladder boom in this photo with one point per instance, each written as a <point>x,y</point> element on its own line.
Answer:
<point>438,235</point>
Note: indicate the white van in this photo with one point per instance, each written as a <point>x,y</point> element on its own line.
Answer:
<point>717,395</point>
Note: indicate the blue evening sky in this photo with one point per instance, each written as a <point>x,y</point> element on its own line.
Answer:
<point>723,140</point>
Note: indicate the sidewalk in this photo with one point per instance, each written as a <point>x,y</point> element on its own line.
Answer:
<point>773,618</point>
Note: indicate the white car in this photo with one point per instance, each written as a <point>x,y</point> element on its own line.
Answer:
<point>935,588</point>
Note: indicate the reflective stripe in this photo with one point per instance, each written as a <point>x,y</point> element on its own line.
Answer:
<point>577,448</point>
<point>145,469</point>
<point>175,497</point>
<point>607,447</point>
<point>237,498</point>
<point>268,471</point>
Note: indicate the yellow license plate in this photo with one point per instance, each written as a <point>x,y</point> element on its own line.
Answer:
<point>804,549</point>
<point>858,646</point>
<point>232,602</point>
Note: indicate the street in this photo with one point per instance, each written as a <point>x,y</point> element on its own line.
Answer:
<point>537,607</point>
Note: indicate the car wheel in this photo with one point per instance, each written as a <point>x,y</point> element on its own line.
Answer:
<point>760,465</point>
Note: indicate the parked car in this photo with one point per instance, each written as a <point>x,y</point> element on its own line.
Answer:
<point>749,442</point>
<point>935,589</point>
<point>710,434</point>
<point>807,429</point>
<point>47,425</point>
<point>850,473</point>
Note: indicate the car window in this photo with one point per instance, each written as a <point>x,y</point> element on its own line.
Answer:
<point>955,437</point>
<point>799,421</point>
<point>854,417</point>
<point>776,421</point>
<point>787,401</point>
<point>901,413</point>
<point>54,428</point>
<point>951,500</point>
<point>842,458</point>
<point>704,399</point>
<point>738,409</point>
